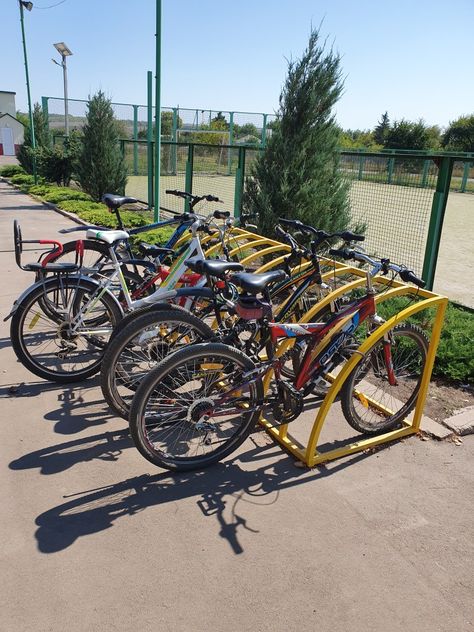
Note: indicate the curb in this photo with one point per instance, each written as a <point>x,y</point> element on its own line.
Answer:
<point>462,422</point>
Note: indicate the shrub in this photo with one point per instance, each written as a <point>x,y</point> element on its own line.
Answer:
<point>100,166</point>
<point>61,194</point>
<point>82,206</point>
<point>11,170</point>
<point>158,237</point>
<point>21,179</point>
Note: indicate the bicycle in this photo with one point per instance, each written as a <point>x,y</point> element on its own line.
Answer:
<point>77,314</point>
<point>199,404</point>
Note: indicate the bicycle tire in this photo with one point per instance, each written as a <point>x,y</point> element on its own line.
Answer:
<point>360,413</point>
<point>121,367</point>
<point>20,338</point>
<point>223,357</point>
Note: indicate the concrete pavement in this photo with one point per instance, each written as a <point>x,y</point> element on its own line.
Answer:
<point>95,538</point>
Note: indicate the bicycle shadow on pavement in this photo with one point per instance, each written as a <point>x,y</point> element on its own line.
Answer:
<point>219,491</point>
<point>107,446</point>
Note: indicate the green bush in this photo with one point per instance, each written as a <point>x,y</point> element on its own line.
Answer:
<point>61,194</point>
<point>82,206</point>
<point>40,190</point>
<point>158,237</point>
<point>21,179</point>
<point>11,170</point>
<point>454,358</point>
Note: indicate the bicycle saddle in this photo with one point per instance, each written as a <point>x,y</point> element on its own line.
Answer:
<point>116,201</point>
<point>107,236</point>
<point>212,267</point>
<point>255,283</point>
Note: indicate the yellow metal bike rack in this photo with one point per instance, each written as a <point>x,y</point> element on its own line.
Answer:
<point>308,453</point>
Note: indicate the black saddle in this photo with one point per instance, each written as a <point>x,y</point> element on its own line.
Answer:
<point>212,267</point>
<point>150,250</point>
<point>116,201</point>
<point>255,283</point>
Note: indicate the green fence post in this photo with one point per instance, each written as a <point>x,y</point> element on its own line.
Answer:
<point>424,176</point>
<point>361,167</point>
<point>44,105</point>
<point>135,138</point>
<point>149,138</point>
<point>173,150</point>
<point>231,139</point>
<point>264,130</point>
<point>465,176</point>
<point>239,182</point>
<point>391,166</point>
<point>188,187</point>
<point>438,209</point>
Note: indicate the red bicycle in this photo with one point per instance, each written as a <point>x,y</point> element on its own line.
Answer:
<point>199,404</point>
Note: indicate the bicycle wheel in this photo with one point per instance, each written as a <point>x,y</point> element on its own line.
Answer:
<point>96,254</point>
<point>371,404</point>
<point>139,346</point>
<point>181,417</point>
<point>46,341</point>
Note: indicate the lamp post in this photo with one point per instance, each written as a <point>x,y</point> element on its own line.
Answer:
<point>64,51</point>
<point>28,6</point>
<point>158,111</point>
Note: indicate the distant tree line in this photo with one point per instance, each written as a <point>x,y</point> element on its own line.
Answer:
<point>403,134</point>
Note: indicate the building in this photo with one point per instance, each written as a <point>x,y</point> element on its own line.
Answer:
<point>11,129</point>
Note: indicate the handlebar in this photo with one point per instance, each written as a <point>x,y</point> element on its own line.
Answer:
<point>193,198</point>
<point>382,265</point>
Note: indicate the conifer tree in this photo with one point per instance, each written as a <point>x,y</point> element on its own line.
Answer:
<point>298,175</point>
<point>381,129</point>
<point>101,168</point>
<point>42,139</point>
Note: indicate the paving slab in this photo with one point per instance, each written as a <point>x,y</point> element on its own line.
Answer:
<point>95,538</point>
<point>462,422</point>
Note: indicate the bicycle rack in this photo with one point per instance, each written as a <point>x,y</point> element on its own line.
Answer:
<point>308,453</point>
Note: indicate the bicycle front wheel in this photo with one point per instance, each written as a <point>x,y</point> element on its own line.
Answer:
<point>58,343</point>
<point>138,347</point>
<point>373,401</point>
<point>195,407</point>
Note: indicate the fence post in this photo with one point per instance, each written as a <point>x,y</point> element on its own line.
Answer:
<point>149,138</point>
<point>424,176</point>
<point>391,166</point>
<point>135,138</point>
<point>361,167</point>
<point>231,142</point>
<point>239,182</point>
<point>264,130</point>
<point>44,105</point>
<point>188,187</point>
<point>465,176</point>
<point>438,209</point>
<point>173,149</point>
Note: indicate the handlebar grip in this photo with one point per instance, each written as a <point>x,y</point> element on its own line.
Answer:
<point>348,235</point>
<point>344,253</point>
<point>212,198</point>
<point>295,223</point>
<point>410,277</point>
<point>221,214</point>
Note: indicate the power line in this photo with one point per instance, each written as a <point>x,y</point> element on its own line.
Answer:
<point>50,6</point>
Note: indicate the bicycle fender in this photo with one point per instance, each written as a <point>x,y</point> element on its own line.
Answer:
<point>51,281</point>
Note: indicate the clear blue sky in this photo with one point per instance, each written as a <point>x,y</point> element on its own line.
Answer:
<point>412,58</point>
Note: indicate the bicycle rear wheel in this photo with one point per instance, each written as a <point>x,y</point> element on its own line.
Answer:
<point>195,407</point>
<point>371,405</point>
<point>45,341</point>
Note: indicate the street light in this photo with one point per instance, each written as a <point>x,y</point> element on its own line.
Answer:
<point>28,6</point>
<point>64,51</point>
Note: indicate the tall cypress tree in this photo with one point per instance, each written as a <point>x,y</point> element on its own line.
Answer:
<point>297,175</point>
<point>42,139</point>
<point>101,168</point>
<point>381,129</point>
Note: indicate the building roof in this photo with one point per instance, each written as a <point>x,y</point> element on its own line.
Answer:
<point>6,92</point>
<point>12,117</point>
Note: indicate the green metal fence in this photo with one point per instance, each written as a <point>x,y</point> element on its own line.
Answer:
<point>400,197</point>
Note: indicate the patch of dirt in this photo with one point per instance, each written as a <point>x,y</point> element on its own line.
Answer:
<point>444,399</point>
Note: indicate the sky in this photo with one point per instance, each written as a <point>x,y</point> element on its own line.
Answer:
<point>410,58</point>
